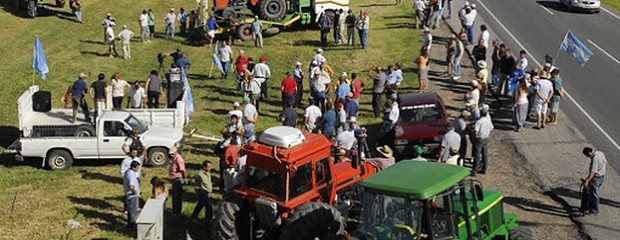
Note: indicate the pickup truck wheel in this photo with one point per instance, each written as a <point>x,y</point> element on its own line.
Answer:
<point>158,157</point>
<point>85,131</point>
<point>59,160</point>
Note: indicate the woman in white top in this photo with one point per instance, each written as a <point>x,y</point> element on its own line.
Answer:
<point>520,105</point>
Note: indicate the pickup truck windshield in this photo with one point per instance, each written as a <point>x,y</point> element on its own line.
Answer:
<point>134,123</point>
<point>419,113</point>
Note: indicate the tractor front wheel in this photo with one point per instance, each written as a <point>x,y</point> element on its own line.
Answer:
<point>313,220</point>
<point>520,233</point>
<point>272,10</point>
<point>244,32</point>
<point>233,222</point>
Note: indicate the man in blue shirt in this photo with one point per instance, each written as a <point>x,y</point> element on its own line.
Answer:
<point>257,32</point>
<point>351,107</point>
<point>325,22</point>
<point>79,91</point>
<point>343,89</point>
<point>329,121</point>
<point>210,27</point>
<point>132,193</point>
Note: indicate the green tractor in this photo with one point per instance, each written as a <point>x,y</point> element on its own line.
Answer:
<point>425,200</point>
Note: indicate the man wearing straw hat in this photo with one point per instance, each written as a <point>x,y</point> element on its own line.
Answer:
<point>387,159</point>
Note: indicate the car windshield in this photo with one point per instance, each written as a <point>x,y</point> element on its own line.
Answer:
<point>389,217</point>
<point>264,180</point>
<point>134,123</point>
<point>419,113</point>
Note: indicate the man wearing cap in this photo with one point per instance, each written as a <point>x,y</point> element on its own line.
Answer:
<point>109,40</point>
<point>450,140</point>
<point>387,158</point>
<point>544,93</point>
<point>482,132</point>
<point>288,89</point>
<point>558,94</point>
<point>341,118</point>
<point>298,75</point>
<point>418,7</point>
<point>257,32</point>
<point>483,79</point>
<point>427,39</point>
<point>343,90</point>
<point>473,93</point>
<point>262,73</point>
<point>288,117</point>
<point>392,114</point>
<point>125,36</point>
<point>346,140</point>
<point>311,115</point>
<point>170,22</point>
<point>79,91</point>
<point>178,177</point>
<point>317,59</point>
<point>417,154</point>
<point>472,108</point>
<point>350,106</point>
<point>250,118</point>
<point>329,121</point>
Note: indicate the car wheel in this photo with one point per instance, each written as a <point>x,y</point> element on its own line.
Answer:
<point>59,160</point>
<point>158,157</point>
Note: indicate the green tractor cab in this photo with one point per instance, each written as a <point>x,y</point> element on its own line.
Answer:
<point>426,200</point>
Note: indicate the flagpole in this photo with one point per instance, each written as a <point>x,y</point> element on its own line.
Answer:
<point>559,48</point>
<point>34,75</point>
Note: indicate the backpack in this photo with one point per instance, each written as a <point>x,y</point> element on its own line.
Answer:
<point>136,144</point>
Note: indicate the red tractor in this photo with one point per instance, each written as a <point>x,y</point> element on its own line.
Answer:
<point>292,189</point>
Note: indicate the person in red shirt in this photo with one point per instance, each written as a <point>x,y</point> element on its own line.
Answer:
<point>178,176</point>
<point>356,88</point>
<point>227,163</point>
<point>289,88</point>
<point>242,60</point>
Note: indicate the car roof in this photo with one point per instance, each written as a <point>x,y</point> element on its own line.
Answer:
<point>411,99</point>
<point>115,115</point>
<point>415,179</point>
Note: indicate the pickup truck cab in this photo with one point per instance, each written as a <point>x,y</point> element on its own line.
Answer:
<point>53,136</point>
<point>422,122</point>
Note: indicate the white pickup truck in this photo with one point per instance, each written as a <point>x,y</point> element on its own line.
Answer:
<point>53,136</point>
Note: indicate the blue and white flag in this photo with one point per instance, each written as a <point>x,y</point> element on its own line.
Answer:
<point>187,94</point>
<point>216,60</point>
<point>576,48</point>
<point>38,59</point>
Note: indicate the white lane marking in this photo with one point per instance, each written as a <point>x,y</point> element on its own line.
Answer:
<point>605,52</point>
<point>613,142</point>
<point>611,13</point>
<point>546,9</point>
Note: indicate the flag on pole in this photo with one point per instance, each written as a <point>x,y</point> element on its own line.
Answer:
<point>38,59</point>
<point>187,94</point>
<point>576,48</point>
<point>216,61</point>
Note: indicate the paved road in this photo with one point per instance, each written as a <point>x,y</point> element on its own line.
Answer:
<point>554,154</point>
<point>593,86</point>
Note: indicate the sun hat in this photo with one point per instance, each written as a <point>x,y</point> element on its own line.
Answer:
<point>246,99</point>
<point>236,104</point>
<point>83,75</point>
<point>298,63</point>
<point>352,119</point>
<point>385,151</point>
<point>465,113</point>
<point>319,50</point>
<point>482,64</point>
<point>474,83</point>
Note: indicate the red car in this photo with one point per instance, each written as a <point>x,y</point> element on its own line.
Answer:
<point>422,122</point>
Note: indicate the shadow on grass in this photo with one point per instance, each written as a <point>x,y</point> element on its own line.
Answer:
<point>97,54</point>
<point>43,10</point>
<point>377,5</point>
<point>105,221</point>
<point>93,42</point>
<point>100,176</point>
<point>92,202</point>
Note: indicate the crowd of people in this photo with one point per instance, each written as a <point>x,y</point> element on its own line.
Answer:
<point>341,21</point>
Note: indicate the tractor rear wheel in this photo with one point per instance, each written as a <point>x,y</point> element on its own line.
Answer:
<point>520,233</point>
<point>313,220</point>
<point>32,8</point>
<point>229,13</point>
<point>233,222</point>
<point>272,10</point>
<point>244,32</point>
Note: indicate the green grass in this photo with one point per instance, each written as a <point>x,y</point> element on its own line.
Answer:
<point>37,203</point>
<point>614,4</point>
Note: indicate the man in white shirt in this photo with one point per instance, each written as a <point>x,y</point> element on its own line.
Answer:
<point>468,23</point>
<point>125,36</point>
<point>144,27</point>
<point>311,114</point>
<point>126,163</point>
<point>235,111</point>
<point>484,35</point>
<point>316,59</point>
<point>544,92</point>
<point>450,140</point>
<point>427,39</point>
<point>118,90</point>
<point>137,96</point>
<point>226,54</point>
<point>474,93</point>
<point>109,40</point>
<point>418,7</point>
<point>523,59</point>
<point>170,19</point>
<point>262,73</point>
<point>482,132</point>
<point>250,117</point>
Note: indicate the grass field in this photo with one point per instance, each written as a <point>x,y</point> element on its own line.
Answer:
<point>36,203</point>
<point>614,4</point>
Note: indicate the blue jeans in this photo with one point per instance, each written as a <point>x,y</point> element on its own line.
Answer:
<point>169,31</point>
<point>132,202</point>
<point>469,29</point>
<point>249,133</point>
<point>594,194</point>
<point>457,66</point>
<point>78,15</point>
<point>363,38</point>
<point>204,201</point>
<point>320,100</point>
<point>177,195</point>
<point>225,67</point>
<point>351,35</point>
<point>436,18</point>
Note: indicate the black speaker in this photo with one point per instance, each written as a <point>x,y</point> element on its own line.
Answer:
<point>42,101</point>
<point>175,93</point>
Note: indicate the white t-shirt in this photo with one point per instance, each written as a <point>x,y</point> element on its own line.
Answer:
<point>126,165</point>
<point>427,41</point>
<point>312,112</point>
<point>118,88</point>
<point>394,113</point>
<point>318,58</point>
<point>473,94</point>
<point>485,37</point>
<point>419,5</point>
<point>109,34</point>
<point>469,19</point>
<point>225,53</point>
<point>144,20</point>
<point>249,111</point>
<point>346,140</point>
<point>545,89</point>
<point>170,18</point>
<point>239,114</point>
<point>523,62</point>
<point>125,36</point>
<point>137,95</point>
